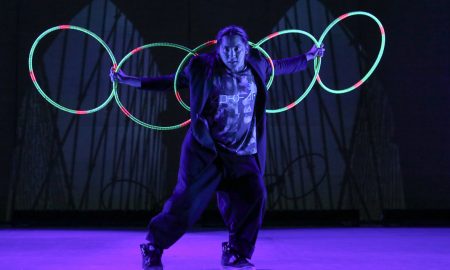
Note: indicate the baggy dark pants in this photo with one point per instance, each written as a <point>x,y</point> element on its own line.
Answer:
<point>241,196</point>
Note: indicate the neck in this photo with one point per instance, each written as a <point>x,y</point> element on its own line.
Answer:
<point>239,69</point>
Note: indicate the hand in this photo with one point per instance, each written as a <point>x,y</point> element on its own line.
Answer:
<point>119,77</point>
<point>122,78</point>
<point>315,52</point>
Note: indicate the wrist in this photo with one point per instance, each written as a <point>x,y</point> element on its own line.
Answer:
<point>138,82</point>
<point>133,81</point>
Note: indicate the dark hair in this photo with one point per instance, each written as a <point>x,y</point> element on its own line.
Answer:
<point>231,31</point>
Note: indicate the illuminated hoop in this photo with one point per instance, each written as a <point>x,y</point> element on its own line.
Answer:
<point>206,44</point>
<point>33,77</point>
<point>317,62</point>
<point>114,93</point>
<point>124,110</point>
<point>375,64</point>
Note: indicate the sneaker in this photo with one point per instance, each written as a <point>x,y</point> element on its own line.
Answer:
<point>232,260</point>
<point>151,257</point>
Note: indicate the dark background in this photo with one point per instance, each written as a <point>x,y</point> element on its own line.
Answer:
<point>414,74</point>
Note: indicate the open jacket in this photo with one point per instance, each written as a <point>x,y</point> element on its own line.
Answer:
<point>198,149</point>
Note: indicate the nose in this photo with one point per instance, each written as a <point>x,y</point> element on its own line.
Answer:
<point>231,54</point>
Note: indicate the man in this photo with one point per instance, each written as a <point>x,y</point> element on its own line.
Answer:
<point>224,149</point>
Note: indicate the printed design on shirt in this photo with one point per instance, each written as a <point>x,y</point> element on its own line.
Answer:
<point>232,104</point>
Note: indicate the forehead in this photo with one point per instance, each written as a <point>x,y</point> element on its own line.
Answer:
<point>231,41</point>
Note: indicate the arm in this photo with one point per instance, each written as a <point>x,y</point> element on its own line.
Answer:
<point>297,63</point>
<point>290,65</point>
<point>160,83</point>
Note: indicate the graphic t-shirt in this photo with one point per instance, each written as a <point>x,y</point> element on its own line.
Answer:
<point>229,111</point>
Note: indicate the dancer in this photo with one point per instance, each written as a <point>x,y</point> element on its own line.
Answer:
<point>224,150</point>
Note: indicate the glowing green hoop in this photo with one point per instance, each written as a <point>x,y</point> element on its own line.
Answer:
<point>272,75</point>
<point>375,64</point>
<point>124,110</point>
<point>206,44</point>
<point>33,77</point>
<point>177,73</point>
<point>317,62</point>
<point>114,93</point>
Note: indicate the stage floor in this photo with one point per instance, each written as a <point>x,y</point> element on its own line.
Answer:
<point>291,249</point>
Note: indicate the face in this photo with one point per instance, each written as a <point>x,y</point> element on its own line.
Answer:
<point>232,51</point>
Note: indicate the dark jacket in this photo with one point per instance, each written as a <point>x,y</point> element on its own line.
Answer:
<point>198,149</point>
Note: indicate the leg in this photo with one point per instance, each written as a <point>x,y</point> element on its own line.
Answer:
<point>189,199</point>
<point>241,201</point>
